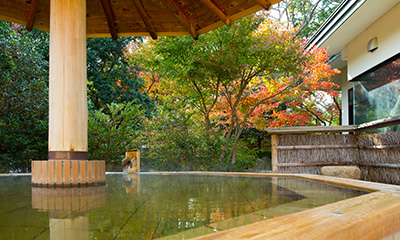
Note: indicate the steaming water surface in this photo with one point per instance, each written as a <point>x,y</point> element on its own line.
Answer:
<point>154,206</point>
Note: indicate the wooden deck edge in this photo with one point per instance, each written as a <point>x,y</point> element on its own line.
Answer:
<point>372,216</point>
<point>352,183</point>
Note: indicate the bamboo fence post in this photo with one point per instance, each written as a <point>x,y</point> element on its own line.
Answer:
<point>274,152</point>
<point>358,149</point>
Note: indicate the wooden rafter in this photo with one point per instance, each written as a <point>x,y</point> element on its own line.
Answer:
<point>265,4</point>
<point>217,11</point>
<point>30,19</point>
<point>145,18</point>
<point>181,17</point>
<point>117,18</point>
<point>110,18</point>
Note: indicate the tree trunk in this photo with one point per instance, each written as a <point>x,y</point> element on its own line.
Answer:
<point>259,141</point>
<point>227,139</point>
<point>208,123</point>
<point>232,155</point>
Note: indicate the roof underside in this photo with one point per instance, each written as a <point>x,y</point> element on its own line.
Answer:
<point>154,18</point>
<point>347,22</point>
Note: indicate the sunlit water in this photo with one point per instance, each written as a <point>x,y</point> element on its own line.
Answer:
<point>153,206</point>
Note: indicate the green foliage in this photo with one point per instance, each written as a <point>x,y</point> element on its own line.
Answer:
<point>178,142</point>
<point>246,159</point>
<point>305,15</point>
<point>111,134</point>
<point>118,104</point>
<point>23,97</point>
<point>110,78</point>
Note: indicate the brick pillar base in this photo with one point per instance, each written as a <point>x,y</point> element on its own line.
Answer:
<point>68,172</point>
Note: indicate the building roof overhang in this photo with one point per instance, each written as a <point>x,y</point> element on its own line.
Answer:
<point>349,20</point>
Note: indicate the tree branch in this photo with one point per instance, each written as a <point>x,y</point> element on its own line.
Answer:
<point>308,19</point>
<point>313,114</point>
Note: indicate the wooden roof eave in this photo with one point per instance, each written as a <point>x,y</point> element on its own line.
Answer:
<point>106,22</point>
<point>143,14</point>
<point>110,18</point>
<point>265,4</point>
<point>234,17</point>
<point>180,16</point>
<point>217,12</point>
<point>31,15</point>
<point>22,22</point>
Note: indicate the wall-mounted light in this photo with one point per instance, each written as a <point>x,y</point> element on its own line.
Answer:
<point>372,45</point>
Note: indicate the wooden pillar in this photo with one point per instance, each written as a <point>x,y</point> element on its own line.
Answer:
<point>274,153</point>
<point>67,92</point>
<point>68,116</point>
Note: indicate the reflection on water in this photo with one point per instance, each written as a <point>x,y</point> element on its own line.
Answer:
<point>132,183</point>
<point>64,202</point>
<point>67,209</point>
<point>153,206</point>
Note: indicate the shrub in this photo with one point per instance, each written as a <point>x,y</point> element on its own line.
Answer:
<point>113,130</point>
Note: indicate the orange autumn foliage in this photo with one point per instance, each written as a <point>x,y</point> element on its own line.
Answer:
<point>286,108</point>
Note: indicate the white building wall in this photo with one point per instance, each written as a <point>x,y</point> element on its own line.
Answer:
<point>387,30</point>
<point>345,86</point>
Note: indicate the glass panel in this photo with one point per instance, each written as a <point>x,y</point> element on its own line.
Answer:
<point>377,93</point>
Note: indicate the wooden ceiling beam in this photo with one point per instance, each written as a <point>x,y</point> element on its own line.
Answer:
<point>265,4</point>
<point>145,17</point>
<point>217,12</point>
<point>110,18</point>
<point>30,19</point>
<point>181,17</point>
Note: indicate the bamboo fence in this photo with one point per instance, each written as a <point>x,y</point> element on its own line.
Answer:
<point>307,149</point>
<point>308,153</point>
<point>379,158</point>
